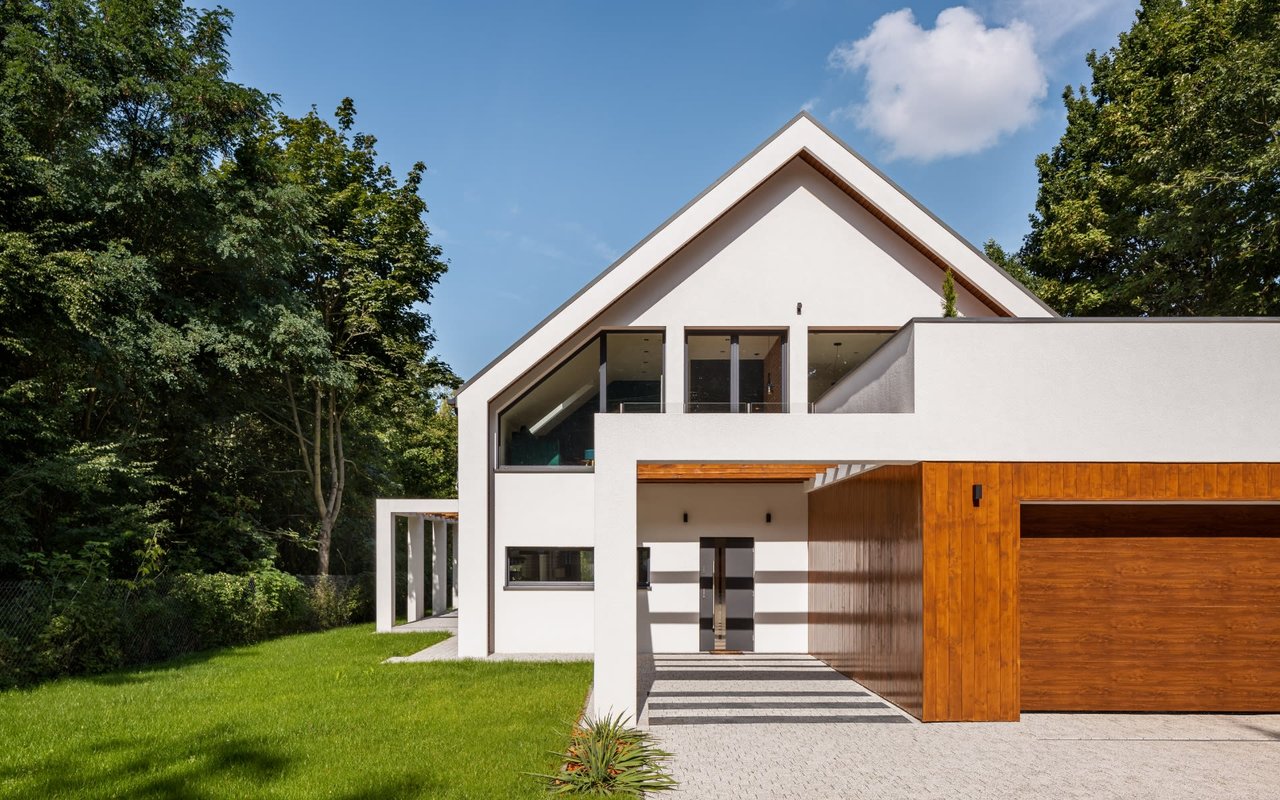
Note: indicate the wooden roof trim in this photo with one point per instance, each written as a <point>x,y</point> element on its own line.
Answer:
<point>747,473</point>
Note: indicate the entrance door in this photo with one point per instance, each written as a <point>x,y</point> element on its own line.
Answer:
<point>726,615</point>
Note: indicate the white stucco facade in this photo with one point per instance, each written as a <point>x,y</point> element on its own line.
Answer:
<point>805,237</point>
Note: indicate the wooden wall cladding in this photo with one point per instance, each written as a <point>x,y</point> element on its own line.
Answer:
<point>865,572</point>
<point>971,593</point>
<point>971,621</point>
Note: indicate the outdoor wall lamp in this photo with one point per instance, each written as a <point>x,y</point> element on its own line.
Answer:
<point>768,517</point>
<point>799,308</point>
<point>686,516</point>
<point>977,495</point>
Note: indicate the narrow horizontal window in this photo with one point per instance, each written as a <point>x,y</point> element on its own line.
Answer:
<point>549,567</point>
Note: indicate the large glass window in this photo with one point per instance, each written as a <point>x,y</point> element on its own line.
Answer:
<point>633,372</point>
<point>710,381</point>
<point>736,373</point>
<point>543,566</point>
<point>552,425</point>
<point>834,354</point>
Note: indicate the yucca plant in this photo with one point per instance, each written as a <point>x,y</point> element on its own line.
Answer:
<point>608,758</point>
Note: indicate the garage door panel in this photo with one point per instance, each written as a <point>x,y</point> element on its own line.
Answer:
<point>1153,691</point>
<point>1120,617</point>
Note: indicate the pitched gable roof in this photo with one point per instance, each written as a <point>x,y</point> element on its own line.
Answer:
<point>805,138</point>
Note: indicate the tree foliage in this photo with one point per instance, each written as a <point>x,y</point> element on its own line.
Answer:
<point>173,254</point>
<point>1163,195</point>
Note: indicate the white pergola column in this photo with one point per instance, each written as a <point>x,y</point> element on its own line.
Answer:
<point>615,584</point>
<point>385,567</point>
<point>454,566</point>
<point>416,585</point>
<point>439,566</point>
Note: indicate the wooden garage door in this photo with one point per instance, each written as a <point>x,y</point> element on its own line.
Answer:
<point>1150,607</point>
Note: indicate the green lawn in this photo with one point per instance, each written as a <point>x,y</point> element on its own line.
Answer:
<point>306,716</point>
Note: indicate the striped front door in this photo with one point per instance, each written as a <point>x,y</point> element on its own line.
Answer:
<point>727,594</point>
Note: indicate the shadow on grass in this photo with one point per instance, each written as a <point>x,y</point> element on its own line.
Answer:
<point>129,676</point>
<point>152,769</point>
<point>218,765</point>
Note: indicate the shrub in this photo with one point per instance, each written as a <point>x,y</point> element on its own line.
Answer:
<point>86,622</point>
<point>331,604</point>
<point>607,758</point>
<point>241,609</point>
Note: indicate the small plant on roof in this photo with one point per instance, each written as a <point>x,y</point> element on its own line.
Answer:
<point>949,295</point>
<point>607,758</point>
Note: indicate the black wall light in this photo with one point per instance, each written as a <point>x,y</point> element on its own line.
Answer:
<point>977,495</point>
<point>686,516</point>
<point>768,516</point>
<point>799,308</point>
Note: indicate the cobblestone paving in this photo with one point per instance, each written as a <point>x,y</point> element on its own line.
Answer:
<point>834,739</point>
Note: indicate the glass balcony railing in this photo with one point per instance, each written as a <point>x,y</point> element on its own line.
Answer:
<point>715,408</point>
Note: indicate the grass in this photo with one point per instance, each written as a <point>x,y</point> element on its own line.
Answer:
<point>315,715</point>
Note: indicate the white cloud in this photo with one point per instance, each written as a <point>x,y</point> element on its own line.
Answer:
<point>952,90</point>
<point>810,105</point>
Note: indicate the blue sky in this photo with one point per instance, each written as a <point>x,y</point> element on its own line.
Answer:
<point>558,134</point>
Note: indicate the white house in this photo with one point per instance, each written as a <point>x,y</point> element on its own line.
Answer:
<point>754,431</point>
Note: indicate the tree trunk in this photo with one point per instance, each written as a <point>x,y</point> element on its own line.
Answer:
<point>326,485</point>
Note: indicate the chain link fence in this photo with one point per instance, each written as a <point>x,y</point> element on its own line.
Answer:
<point>52,629</point>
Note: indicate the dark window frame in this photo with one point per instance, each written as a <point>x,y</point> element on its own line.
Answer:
<point>601,337</point>
<point>735,389</point>
<point>826,330</point>
<point>533,584</point>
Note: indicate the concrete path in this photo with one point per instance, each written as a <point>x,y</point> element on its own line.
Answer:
<point>448,649</point>
<point>447,621</point>
<point>789,727</point>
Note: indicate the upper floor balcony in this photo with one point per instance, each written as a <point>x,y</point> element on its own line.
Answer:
<point>551,425</point>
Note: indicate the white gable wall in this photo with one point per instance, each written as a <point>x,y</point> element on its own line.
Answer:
<point>771,233</point>
<point>796,239</point>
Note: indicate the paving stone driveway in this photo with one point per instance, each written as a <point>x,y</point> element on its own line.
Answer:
<point>759,726</point>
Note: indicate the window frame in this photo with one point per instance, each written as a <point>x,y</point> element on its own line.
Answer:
<point>524,585</point>
<point>809,400</point>
<point>602,405</point>
<point>735,388</point>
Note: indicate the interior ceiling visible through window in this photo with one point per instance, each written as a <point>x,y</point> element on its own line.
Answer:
<point>832,355</point>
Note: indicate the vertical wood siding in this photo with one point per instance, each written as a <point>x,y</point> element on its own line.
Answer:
<point>971,638</point>
<point>865,572</point>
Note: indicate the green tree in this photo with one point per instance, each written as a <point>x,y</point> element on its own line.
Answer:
<point>949,295</point>
<point>174,259</point>
<point>140,229</point>
<point>364,274</point>
<point>1163,195</point>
